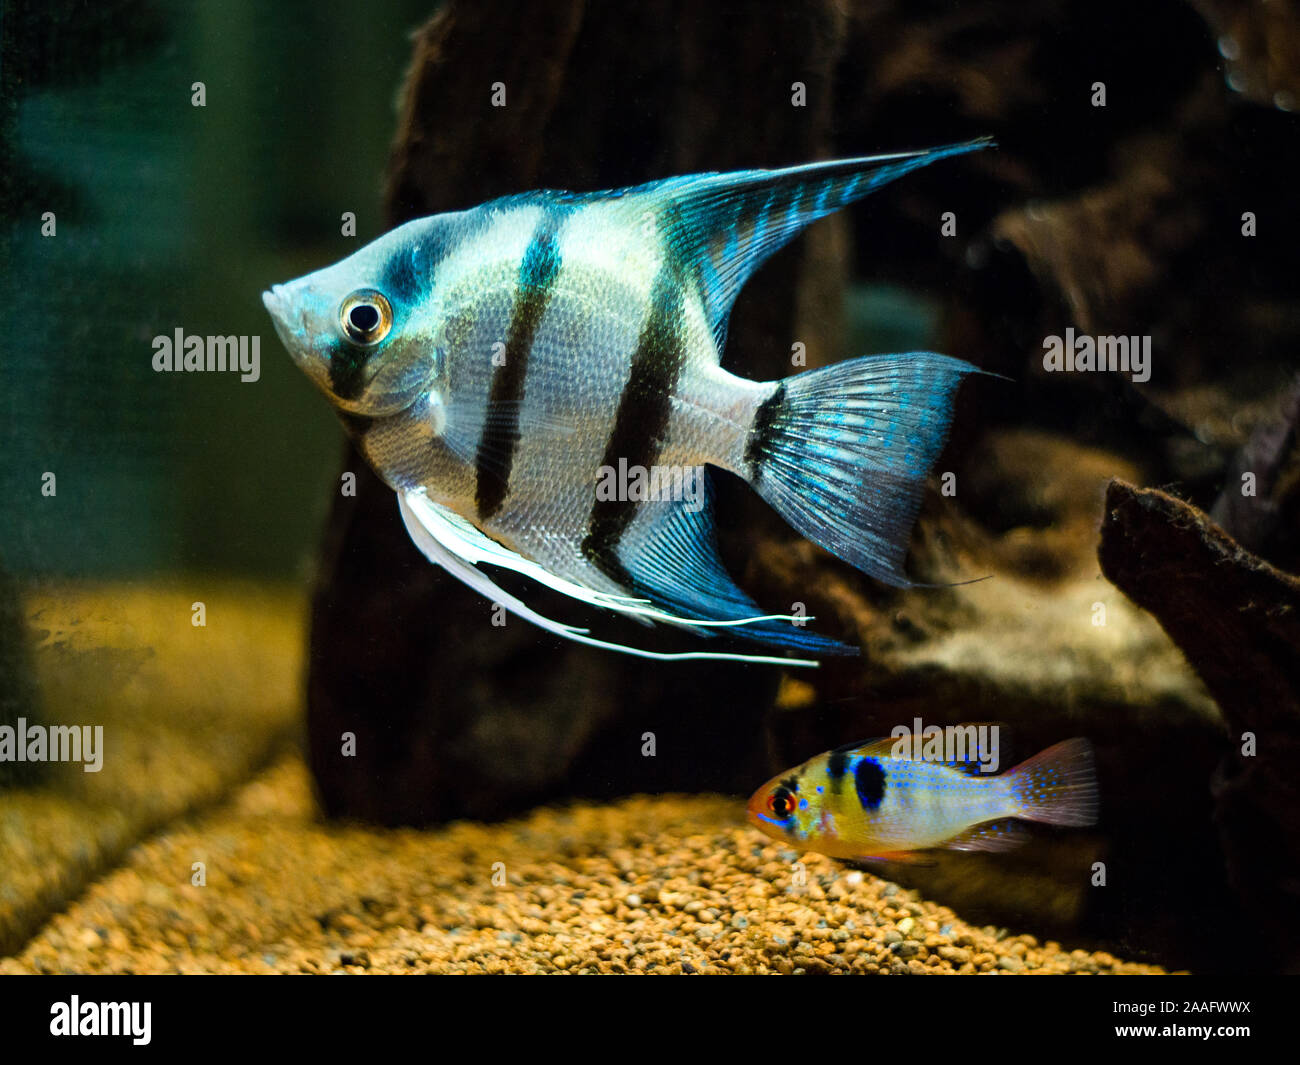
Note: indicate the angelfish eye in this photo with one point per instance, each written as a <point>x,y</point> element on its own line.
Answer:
<point>781,803</point>
<point>366,317</point>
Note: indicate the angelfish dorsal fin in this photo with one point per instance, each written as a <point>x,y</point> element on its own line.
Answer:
<point>725,225</point>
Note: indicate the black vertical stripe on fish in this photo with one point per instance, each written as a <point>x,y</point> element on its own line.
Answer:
<point>869,779</point>
<point>760,434</point>
<point>356,424</point>
<point>347,370</point>
<point>641,422</point>
<point>409,276</point>
<point>496,447</point>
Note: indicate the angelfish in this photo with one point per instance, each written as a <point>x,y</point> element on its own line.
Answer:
<point>494,365</point>
<point>879,801</point>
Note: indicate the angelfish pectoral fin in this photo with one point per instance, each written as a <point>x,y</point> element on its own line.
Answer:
<point>457,546</point>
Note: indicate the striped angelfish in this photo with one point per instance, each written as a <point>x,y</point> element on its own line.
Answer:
<point>882,800</point>
<point>538,380</point>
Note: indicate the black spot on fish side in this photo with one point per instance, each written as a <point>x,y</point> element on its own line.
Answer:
<point>869,779</point>
<point>765,420</point>
<point>496,447</point>
<point>837,765</point>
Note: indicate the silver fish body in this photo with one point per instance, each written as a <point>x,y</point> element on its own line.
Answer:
<point>504,360</point>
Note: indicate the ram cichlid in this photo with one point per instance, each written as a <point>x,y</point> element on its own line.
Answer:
<point>538,380</point>
<point>885,800</point>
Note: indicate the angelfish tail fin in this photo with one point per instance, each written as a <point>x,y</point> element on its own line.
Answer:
<point>842,452</point>
<point>1057,786</point>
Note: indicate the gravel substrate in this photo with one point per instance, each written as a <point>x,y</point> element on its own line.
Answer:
<point>662,885</point>
<point>188,714</point>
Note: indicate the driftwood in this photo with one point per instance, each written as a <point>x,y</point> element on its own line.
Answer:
<point>1237,619</point>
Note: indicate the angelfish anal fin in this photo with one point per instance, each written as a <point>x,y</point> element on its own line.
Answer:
<point>456,546</point>
<point>671,555</point>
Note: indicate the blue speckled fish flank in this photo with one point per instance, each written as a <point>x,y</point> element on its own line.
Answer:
<point>899,804</point>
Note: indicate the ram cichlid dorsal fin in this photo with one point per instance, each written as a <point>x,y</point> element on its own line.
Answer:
<point>973,758</point>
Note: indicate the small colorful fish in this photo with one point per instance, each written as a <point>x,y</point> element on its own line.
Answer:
<point>865,802</point>
<point>523,375</point>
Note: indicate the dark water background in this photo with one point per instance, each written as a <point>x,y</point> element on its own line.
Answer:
<point>170,215</point>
